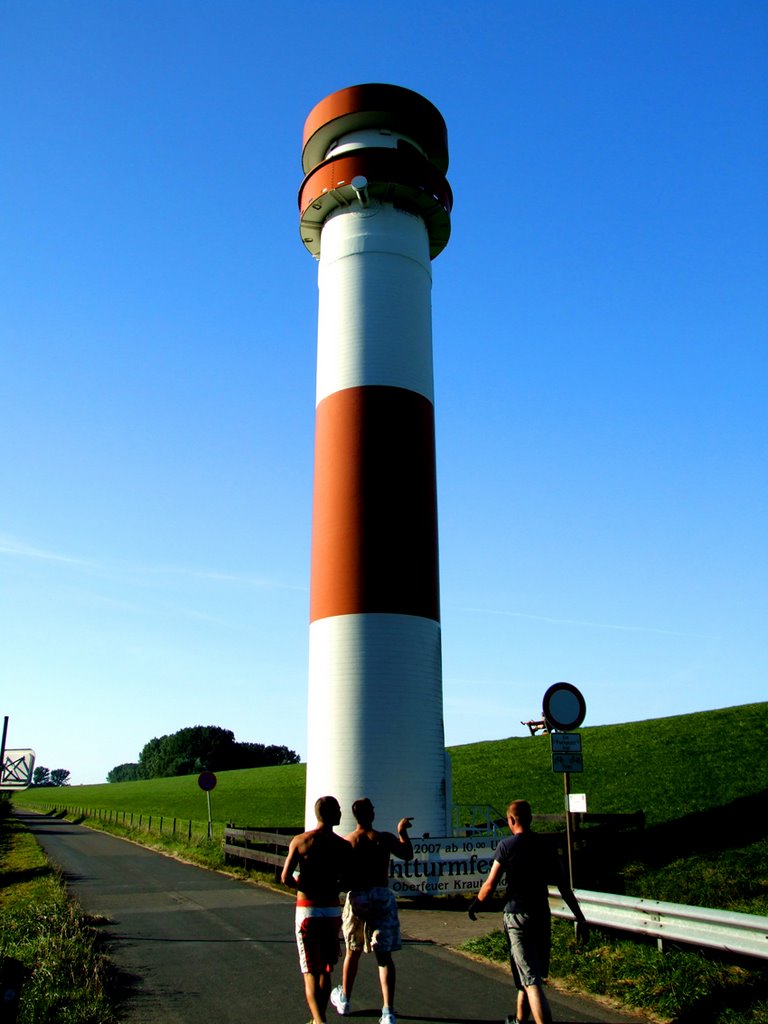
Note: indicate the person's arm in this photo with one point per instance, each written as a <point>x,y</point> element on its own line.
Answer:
<point>402,846</point>
<point>486,890</point>
<point>291,862</point>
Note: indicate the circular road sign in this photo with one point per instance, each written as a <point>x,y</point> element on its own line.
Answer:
<point>206,781</point>
<point>564,707</point>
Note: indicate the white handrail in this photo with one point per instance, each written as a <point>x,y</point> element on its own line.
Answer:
<point>726,930</point>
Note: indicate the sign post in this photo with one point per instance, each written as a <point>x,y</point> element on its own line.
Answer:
<point>2,744</point>
<point>564,709</point>
<point>207,781</point>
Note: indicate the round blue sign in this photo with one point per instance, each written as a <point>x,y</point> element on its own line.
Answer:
<point>206,781</point>
<point>564,707</point>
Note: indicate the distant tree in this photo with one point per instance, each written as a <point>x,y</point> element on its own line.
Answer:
<point>199,748</point>
<point>189,750</point>
<point>60,777</point>
<point>128,772</point>
<point>41,776</point>
<point>150,759</point>
<point>281,755</point>
<point>256,755</point>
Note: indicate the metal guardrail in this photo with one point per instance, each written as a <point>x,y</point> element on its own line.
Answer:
<point>727,931</point>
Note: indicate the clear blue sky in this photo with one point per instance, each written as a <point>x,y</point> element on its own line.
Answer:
<point>600,328</point>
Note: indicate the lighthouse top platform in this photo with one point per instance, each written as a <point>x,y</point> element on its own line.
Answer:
<point>375,142</point>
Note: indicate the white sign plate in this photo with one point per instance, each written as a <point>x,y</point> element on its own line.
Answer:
<point>443,865</point>
<point>566,742</point>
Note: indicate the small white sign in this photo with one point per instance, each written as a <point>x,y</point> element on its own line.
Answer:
<point>577,803</point>
<point>566,742</point>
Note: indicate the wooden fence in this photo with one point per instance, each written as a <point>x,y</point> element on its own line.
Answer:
<point>258,846</point>
<point>160,824</point>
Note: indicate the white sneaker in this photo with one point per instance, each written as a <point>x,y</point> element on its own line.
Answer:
<point>340,1001</point>
<point>387,1017</point>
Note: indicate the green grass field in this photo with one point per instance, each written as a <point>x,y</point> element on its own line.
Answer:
<point>254,796</point>
<point>700,779</point>
<point>668,767</point>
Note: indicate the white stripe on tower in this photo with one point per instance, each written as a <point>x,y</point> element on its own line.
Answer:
<point>375,677</point>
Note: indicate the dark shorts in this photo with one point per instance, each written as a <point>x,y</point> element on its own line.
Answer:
<point>529,938</point>
<point>317,938</point>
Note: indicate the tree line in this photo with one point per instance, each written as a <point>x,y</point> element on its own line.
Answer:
<point>45,777</point>
<point>199,748</point>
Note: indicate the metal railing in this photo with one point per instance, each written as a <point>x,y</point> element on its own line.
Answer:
<point>727,931</point>
<point>477,819</point>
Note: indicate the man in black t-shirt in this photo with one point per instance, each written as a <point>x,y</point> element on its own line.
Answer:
<point>529,863</point>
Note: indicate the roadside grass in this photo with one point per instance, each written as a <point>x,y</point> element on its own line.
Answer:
<point>67,977</point>
<point>727,879</point>
<point>676,985</point>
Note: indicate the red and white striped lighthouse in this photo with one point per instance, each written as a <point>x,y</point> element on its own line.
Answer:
<point>375,209</point>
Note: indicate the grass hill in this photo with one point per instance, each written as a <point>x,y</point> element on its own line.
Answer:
<point>668,767</point>
<point>253,796</point>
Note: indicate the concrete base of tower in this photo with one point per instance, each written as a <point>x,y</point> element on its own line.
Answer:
<point>375,720</point>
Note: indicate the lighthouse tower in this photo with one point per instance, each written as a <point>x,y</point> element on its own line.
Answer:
<point>375,210</point>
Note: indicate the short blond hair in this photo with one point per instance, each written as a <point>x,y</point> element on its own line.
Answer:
<point>521,811</point>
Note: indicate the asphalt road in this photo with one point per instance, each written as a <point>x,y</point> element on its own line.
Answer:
<point>194,946</point>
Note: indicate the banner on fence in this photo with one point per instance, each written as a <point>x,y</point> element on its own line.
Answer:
<point>443,865</point>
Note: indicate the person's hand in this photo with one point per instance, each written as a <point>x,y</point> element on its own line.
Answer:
<point>404,824</point>
<point>473,909</point>
<point>581,930</point>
